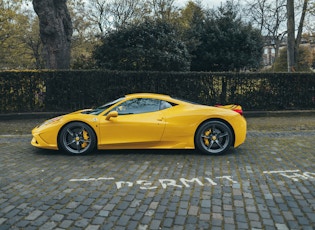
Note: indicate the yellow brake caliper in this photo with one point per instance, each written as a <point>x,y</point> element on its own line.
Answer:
<point>85,137</point>
<point>206,140</point>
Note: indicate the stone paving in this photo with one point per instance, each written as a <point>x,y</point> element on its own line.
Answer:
<point>267,183</point>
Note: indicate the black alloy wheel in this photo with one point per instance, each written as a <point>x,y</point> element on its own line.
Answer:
<point>77,138</point>
<point>214,137</point>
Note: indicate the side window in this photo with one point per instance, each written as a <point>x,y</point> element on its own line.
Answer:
<point>165,105</point>
<point>138,105</point>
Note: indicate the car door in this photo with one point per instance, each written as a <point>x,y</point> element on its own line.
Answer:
<point>139,124</point>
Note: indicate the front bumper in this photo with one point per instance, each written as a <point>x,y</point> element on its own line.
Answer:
<point>45,140</point>
<point>39,143</point>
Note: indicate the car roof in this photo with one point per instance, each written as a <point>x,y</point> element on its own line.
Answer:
<point>158,96</point>
<point>148,95</point>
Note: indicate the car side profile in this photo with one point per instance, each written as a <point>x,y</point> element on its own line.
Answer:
<point>144,121</point>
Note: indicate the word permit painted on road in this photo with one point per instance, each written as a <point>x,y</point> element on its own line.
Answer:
<point>294,175</point>
<point>145,184</point>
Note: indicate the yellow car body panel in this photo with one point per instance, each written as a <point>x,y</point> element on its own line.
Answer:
<point>182,128</point>
<point>140,130</point>
<point>172,128</point>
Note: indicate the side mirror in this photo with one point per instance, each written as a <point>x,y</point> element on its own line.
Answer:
<point>111,114</point>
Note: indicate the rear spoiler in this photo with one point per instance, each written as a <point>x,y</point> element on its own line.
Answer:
<point>235,108</point>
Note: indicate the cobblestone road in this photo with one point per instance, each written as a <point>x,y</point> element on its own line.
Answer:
<point>267,183</point>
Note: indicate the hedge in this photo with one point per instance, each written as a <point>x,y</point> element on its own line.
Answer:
<point>53,91</point>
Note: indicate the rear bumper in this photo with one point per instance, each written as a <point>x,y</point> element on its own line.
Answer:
<point>240,129</point>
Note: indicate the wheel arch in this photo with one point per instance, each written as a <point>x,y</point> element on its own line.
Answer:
<point>65,124</point>
<point>216,119</point>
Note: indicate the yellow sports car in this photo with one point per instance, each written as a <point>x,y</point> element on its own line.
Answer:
<point>145,121</point>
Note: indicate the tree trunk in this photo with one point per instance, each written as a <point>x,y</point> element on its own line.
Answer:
<point>55,32</point>
<point>291,36</point>
<point>300,31</point>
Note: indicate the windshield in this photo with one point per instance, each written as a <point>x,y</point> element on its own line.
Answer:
<point>102,108</point>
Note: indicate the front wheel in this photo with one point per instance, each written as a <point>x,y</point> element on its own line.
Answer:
<point>213,137</point>
<point>77,138</point>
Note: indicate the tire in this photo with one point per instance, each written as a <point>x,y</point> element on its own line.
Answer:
<point>77,138</point>
<point>214,137</point>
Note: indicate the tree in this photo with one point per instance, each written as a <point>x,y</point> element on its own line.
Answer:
<point>163,9</point>
<point>151,45</point>
<point>84,35</point>
<point>99,15</point>
<point>227,43</point>
<point>294,43</point>
<point>291,37</point>
<point>55,32</point>
<point>191,22</point>
<point>107,15</point>
<point>304,62</point>
<point>270,17</point>
<point>300,30</point>
<point>276,19</point>
<point>33,44</point>
<point>124,12</point>
<point>11,27</point>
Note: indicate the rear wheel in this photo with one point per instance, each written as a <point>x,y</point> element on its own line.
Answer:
<point>77,138</point>
<point>213,137</point>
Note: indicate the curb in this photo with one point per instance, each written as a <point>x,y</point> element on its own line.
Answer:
<point>284,113</point>
<point>34,115</point>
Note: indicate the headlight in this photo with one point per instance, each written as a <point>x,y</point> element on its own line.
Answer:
<point>50,121</point>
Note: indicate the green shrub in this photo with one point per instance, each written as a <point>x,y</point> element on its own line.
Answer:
<point>53,91</point>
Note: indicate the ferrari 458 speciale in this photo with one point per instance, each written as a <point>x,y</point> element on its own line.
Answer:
<point>145,121</point>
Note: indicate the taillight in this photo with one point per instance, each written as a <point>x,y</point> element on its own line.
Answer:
<point>235,108</point>
<point>240,111</point>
